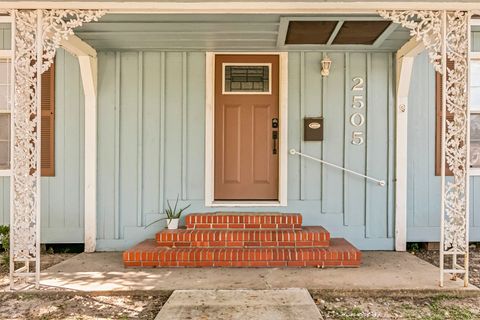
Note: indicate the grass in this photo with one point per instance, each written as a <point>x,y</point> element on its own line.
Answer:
<point>404,305</point>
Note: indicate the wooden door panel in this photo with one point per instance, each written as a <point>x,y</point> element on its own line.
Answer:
<point>245,166</point>
<point>262,144</point>
<point>231,143</point>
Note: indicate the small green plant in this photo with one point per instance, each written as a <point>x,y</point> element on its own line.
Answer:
<point>171,213</point>
<point>5,242</point>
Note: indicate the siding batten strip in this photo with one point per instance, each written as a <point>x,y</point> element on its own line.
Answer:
<point>346,144</point>
<point>184,126</point>
<point>391,155</point>
<point>368,100</point>
<point>161,198</point>
<point>140,141</point>
<point>117,148</point>
<point>302,113</point>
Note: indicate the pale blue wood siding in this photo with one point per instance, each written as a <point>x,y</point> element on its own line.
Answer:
<point>151,124</point>
<point>151,143</point>
<point>423,186</point>
<point>62,196</point>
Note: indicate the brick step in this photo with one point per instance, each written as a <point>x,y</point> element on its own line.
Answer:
<point>148,254</point>
<point>239,220</point>
<point>306,237</point>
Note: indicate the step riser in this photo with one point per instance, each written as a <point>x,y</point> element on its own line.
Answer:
<point>245,264</point>
<point>266,226</point>
<point>164,255</point>
<point>244,244</point>
<point>243,221</point>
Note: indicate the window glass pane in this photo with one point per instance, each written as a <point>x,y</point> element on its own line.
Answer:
<point>5,71</point>
<point>6,35</point>
<point>247,78</point>
<point>4,141</point>
<point>475,73</point>
<point>475,98</point>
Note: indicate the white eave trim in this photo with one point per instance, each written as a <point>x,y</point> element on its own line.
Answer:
<point>241,7</point>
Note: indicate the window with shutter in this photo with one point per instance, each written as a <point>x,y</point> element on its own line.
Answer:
<point>438,123</point>
<point>48,123</point>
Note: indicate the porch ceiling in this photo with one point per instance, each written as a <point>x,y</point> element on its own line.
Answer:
<point>242,32</point>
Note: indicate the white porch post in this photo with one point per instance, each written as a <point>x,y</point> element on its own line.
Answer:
<point>87,59</point>
<point>405,59</point>
<point>37,35</point>
<point>446,36</point>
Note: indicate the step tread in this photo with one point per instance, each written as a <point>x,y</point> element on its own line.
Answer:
<point>148,254</point>
<point>307,236</point>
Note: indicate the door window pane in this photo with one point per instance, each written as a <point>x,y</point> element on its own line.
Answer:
<point>247,78</point>
<point>4,141</point>
<point>5,70</point>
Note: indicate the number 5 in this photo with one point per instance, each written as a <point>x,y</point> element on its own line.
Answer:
<point>357,138</point>
<point>358,102</point>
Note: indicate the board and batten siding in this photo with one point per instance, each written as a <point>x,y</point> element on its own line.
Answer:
<point>151,116</point>
<point>62,200</point>
<point>424,193</point>
<point>151,133</point>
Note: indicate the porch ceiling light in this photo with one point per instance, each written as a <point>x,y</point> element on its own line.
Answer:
<point>326,63</point>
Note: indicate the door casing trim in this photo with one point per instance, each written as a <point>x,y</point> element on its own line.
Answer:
<point>210,134</point>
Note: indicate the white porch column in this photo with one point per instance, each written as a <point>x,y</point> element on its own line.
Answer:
<point>36,36</point>
<point>446,36</point>
<point>87,59</point>
<point>405,59</point>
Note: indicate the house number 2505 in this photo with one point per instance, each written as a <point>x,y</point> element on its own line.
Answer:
<point>357,119</point>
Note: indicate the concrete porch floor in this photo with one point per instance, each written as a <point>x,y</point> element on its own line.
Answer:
<point>104,271</point>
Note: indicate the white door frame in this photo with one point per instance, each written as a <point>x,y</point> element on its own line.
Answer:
<point>210,134</point>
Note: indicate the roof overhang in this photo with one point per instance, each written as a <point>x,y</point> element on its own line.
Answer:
<point>248,6</point>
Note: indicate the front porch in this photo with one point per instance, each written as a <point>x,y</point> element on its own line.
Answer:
<point>149,122</point>
<point>104,271</point>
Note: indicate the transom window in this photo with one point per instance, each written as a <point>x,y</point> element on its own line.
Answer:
<point>247,78</point>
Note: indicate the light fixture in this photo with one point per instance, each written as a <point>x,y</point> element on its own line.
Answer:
<point>326,63</point>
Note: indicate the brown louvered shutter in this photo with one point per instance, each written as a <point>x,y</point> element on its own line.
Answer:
<point>438,123</point>
<point>48,123</point>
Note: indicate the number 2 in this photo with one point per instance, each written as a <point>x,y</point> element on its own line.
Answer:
<point>358,86</point>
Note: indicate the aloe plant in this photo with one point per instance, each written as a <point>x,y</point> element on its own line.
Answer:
<point>171,213</point>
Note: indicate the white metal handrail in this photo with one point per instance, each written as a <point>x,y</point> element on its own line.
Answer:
<point>379,182</point>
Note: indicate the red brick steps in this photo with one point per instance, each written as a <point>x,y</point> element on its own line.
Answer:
<point>243,240</point>
<point>147,254</point>
<point>306,237</point>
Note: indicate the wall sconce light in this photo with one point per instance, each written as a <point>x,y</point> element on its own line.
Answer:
<point>326,64</point>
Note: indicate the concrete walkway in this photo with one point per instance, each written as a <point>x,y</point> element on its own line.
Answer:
<point>104,271</point>
<point>278,304</point>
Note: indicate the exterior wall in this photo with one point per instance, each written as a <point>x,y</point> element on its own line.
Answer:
<point>62,195</point>
<point>145,94</point>
<point>424,192</point>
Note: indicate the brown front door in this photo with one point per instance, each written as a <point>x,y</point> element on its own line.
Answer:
<point>246,127</point>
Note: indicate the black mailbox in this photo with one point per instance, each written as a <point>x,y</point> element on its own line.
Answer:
<point>313,129</point>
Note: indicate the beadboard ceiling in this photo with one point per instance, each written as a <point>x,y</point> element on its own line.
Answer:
<point>201,32</point>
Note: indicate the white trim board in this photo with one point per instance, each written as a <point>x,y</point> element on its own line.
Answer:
<point>284,7</point>
<point>209,133</point>
<point>405,58</point>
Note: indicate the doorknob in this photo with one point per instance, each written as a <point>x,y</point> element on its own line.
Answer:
<point>275,138</point>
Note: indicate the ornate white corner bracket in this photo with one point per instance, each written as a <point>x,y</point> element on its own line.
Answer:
<point>36,35</point>
<point>446,36</point>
